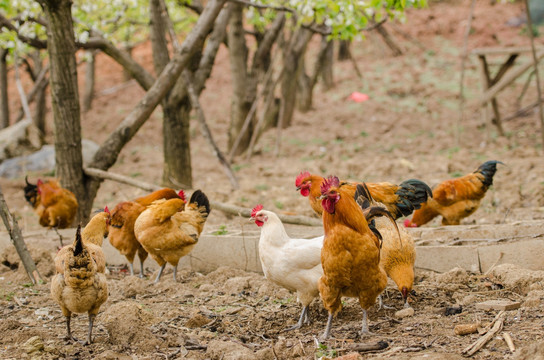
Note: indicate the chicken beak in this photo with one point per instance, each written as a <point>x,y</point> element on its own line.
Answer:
<point>321,197</point>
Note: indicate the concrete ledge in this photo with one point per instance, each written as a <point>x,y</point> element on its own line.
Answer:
<point>472,247</point>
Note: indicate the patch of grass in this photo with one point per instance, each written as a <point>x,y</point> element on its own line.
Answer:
<point>456,174</point>
<point>319,141</point>
<point>243,199</point>
<point>363,134</point>
<point>297,142</point>
<point>9,296</point>
<point>238,167</point>
<point>324,352</point>
<point>278,204</point>
<point>221,231</point>
<point>27,285</point>
<point>261,187</point>
<point>135,174</point>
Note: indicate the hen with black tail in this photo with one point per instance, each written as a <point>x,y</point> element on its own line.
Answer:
<point>455,199</point>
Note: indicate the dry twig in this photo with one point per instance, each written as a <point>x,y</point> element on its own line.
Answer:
<point>480,343</point>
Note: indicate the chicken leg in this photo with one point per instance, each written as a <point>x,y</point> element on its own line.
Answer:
<point>160,273</point>
<point>141,270</point>
<point>302,320</point>
<point>364,328</point>
<point>69,336</point>
<point>89,336</point>
<point>327,332</point>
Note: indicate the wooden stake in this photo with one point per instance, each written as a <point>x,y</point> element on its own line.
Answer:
<point>18,241</point>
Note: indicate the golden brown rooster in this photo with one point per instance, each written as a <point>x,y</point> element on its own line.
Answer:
<point>351,252</point>
<point>455,199</point>
<point>400,200</point>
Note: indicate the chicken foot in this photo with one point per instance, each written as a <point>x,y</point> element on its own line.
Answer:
<point>327,332</point>
<point>301,321</point>
<point>382,305</point>
<point>69,336</point>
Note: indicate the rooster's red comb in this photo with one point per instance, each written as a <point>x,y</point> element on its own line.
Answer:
<point>331,181</point>
<point>256,209</point>
<point>301,177</point>
<point>106,209</point>
<point>181,195</point>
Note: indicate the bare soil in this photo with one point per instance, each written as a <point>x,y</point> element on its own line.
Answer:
<point>407,129</point>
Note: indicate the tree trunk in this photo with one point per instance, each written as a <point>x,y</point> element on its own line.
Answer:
<point>292,66</point>
<point>177,170</point>
<point>65,102</point>
<point>40,109</point>
<point>305,88</point>
<point>344,51</point>
<point>322,67</point>
<point>88,92</point>
<point>176,137</point>
<point>327,63</point>
<point>4,100</point>
<point>238,54</point>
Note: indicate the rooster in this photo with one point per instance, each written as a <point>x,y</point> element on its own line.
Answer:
<point>351,251</point>
<point>456,199</point>
<point>124,216</point>
<point>400,200</point>
<point>169,229</point>
<point>55,206</point>
<point>294,264</point>
<point>80,284</point>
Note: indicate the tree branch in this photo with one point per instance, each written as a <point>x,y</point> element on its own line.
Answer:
<point>107,154</point>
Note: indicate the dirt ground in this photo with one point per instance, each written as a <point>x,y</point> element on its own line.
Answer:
<point>407,129</point>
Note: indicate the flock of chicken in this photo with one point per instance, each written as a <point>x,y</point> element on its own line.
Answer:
<point>362,244</point>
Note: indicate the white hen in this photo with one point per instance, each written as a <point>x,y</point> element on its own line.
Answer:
<point>294,264</point>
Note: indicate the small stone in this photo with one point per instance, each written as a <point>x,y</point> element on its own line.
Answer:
<point>33,345</point>
<point>498,305</point>
<point>405,313</point>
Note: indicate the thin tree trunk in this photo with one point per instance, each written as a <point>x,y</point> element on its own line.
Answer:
<point>65,102</point>
<point>18,241</point>
<point>176,145</point>
<point>4,99</point>
<point>344,51</point>
<point>323,67</point>
<point>40,109</point>
<point>327,63</point>
<point>292,65</point>
<point>88,92</point>
<point>240,105</point>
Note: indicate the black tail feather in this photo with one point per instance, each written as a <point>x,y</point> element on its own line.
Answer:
<point>362,196</point>
<point>31,191</point>
<point>488,170</point>
<point>412,193</point>
<point>78,245</point>
<point>199,198</point>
